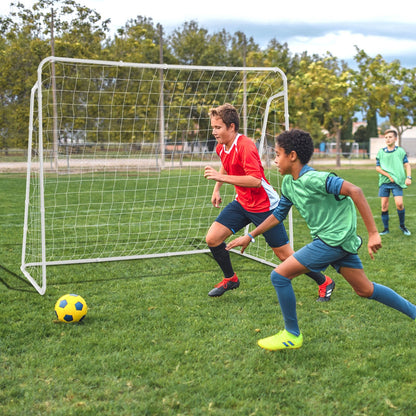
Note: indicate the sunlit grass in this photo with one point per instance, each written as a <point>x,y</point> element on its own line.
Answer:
<point>154,343</point>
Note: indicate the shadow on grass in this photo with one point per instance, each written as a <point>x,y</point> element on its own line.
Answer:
<point>21,279</point>
<point>10,279</point>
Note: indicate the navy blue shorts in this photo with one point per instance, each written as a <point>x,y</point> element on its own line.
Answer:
<point>317,256</point>
<point>235,217</point>
<point>385,188</point>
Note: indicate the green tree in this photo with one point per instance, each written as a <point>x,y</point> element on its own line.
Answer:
<point>322,96</point>
<point>26,40</point>
<point>190,44</point>
<point>387,89</point>
<point>138,41</point>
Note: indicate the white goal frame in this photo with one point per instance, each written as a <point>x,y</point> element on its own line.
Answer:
<point>66,153</point>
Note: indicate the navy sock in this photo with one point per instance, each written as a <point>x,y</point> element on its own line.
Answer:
<point>317,276</point>
<point>222,257</point>
<point>287,301</point>
<point>401,217</point>
<point>385,219</point>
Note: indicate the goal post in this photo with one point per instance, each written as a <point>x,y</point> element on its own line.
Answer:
<point>116,154</point>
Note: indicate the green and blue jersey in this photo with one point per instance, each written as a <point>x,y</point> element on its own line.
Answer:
<point>330,216</point>
<point>392,162</point>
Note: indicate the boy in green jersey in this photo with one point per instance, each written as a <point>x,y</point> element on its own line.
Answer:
<point>391,162</point>
<point>328,204</point>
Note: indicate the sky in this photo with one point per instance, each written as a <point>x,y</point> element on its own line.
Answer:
<point>384,27</point>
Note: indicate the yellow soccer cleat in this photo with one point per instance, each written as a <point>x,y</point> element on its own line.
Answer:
<point>283,340</point>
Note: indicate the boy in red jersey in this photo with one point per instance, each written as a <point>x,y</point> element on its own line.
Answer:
<point>255,201</point>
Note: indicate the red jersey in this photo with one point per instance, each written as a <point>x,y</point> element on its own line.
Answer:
<point>243,159</point>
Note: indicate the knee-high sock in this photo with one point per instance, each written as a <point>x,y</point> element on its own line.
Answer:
<point>222,257</point>
<point>389,297</point>
<point>401,217</point>
<point>385,219</point>
<point>317,276</point>
<point>287,301</point>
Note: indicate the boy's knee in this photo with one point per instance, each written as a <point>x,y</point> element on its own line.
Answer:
<point>278,280</point>
<point>212,240</point>
<point>364,292</point>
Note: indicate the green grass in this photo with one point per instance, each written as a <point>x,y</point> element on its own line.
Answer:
<point>154,343</point>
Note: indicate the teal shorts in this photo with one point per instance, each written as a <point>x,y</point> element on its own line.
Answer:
<point>386,188</point>
<point>317,256</point>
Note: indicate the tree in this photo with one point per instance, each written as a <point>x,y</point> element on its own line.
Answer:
<point>323,96</point>
<point>25,42</point>
<point>138,41</point>
<point>387,89</point>
<point>190,44</point>
<point>400,106</point>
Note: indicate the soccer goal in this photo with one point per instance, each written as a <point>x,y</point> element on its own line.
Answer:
<point>116,154</point>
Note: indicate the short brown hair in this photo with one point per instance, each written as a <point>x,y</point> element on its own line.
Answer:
<point>391,131</point>
<point>228,113</point>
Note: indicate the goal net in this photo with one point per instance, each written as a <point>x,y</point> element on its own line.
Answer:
<point>116,154</point>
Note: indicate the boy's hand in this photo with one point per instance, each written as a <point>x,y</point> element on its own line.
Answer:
<point>374,243</point>
<point>242,241</point>
<point>211,173</point>
<point>216,199</point>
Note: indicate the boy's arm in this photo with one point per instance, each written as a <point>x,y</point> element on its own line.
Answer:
<point>408,169</point>
<point>247,181</point>
<point>216,196</point>
<point>383,172</point>
<point>245,240</point>
<point>278,216</point>
<point>357,195</point>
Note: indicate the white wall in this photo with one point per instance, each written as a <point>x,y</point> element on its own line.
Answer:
<point>408,143</point>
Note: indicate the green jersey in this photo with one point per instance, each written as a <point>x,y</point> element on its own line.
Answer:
<point>392,162</point>
<point>330,217</point>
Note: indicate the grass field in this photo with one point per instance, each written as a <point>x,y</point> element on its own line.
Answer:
<point>154,343</point>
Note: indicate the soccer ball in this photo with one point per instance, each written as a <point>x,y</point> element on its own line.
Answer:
<point>70,308</point>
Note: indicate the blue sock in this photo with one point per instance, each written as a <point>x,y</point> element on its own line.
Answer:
<point>287,301</point>
<point>390,298</point>
<point>401,217</point>
<point>385,219</point>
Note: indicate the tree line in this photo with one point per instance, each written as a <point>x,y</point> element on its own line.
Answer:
<point>325,94</point>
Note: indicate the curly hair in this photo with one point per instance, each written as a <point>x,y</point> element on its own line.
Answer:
<point>296,140</point>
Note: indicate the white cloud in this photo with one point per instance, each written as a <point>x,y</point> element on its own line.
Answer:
<point>333,27</point>
<point>344,43</point>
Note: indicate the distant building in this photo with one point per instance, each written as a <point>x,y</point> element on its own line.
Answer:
<point>408,143</point>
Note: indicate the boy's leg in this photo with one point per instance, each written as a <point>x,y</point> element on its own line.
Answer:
<point>215,238</point>
<point>389,297</point>
<point>325,283</point>
<point>222,257</point>
<point>398,199</point>
<point>291,336</point>
<point>287,301</point>
<point>383,294</point>
<point>401,214</point>
<point>385,219</point>
<point>384,195</point>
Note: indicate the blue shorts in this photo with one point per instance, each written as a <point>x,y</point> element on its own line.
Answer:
<point>317,256</point>
<point>385,188</point>
<point>235,217</point>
